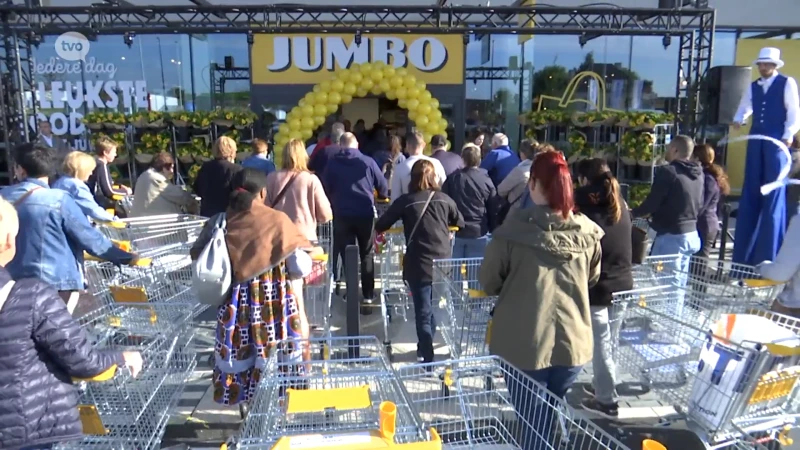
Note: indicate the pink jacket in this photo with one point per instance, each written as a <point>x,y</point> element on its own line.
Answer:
<point>304,202</point>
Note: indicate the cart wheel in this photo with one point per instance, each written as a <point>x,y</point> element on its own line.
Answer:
<point>244,409</point>
<point>388,347</point>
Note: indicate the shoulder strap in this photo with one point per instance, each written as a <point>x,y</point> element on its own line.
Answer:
<point>5,292</point>
<point>419,220</point>
<point>282,193</point>
<point>25,196</point>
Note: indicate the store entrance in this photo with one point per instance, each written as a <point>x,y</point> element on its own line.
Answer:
<point>372,110</point>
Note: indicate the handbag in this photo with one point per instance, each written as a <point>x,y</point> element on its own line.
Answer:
<point>419,220</point>
<point>211,272</point>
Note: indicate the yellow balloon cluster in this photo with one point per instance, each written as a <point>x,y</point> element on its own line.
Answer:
<point>358,81</point>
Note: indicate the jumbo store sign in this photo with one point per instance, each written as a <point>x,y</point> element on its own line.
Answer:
<point>304,59</point>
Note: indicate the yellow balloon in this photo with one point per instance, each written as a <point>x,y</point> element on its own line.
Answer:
<point>396,81</point>
<point>356,77</point>
<point>401,92</point>
<point>385,85</point>
<point>443,123</point>
<point>389,72</point>
<point>361,92</point>
<point>413,104</point>
<point>337,85</point>
<point>401,72</point>
<point>401,102</point>
<point>391,95</point>
<point>332,108</point>
<point>296,135</point>
<point>307,134</point>
<point>427,137</point>
<point>435,113</point>
<point>294,124</point>
<point>377,75</point>
<point>334,98</point>
<point>317,89</point>
<point>413,115</point>
<point>350,89</point>
<point>307,123</point>
<point>325,86</point>
<point>378,65</point>
<point>366,69</point>
<point>346,98</point>
<point>412,92</point>
<point>421,121</point>
<point>433,127</point>
<point>410,81</point>
<point>320,109</point>
<point>344,75</point>
<point>424,108</point>
<point>321,98</point>
<point>302,102</point>
<point>376,90</point>
<point>424,95</point>
<point>319,120</point>
<point>367,83</point>
<point>355,68</point>
<point>421,85</point>
<point>283,129</point>
<point>307,110</point>
<point>434,103</point>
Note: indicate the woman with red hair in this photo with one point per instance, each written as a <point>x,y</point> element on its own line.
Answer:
<point>541,263</point>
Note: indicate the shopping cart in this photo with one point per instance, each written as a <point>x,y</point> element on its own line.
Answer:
<point>515,412</point>
<point>752,387</point>
<point>394,293</point>
<point>381,205</point>
<point>176,232</point>
<point>119,411</point>
<point>467,325</point>
<point>351,399</point>
<point>317,295</point>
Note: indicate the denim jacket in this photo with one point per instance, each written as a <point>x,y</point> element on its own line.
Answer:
<point>53,235</point>
<point>259,162</point>
<point>83,198</point>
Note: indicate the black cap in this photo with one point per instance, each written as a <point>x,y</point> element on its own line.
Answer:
<point>438,141</point>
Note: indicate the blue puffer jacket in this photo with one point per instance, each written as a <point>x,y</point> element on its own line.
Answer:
<point>41,349</point>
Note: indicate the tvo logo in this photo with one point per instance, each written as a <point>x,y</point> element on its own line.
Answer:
<point>72,46</point>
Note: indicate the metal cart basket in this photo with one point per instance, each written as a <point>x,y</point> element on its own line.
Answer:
<point>176,232</point>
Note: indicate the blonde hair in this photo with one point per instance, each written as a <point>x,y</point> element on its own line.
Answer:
<point>295,156</point>
<point>224,148</point>
<point>79,165</point>
<point>104,144</point>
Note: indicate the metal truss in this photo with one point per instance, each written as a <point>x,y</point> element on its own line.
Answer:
<point>493,73</point>
<point>118,19</point>
<point>220,76</point>
<point>16,79</point>
<point>693,63</point>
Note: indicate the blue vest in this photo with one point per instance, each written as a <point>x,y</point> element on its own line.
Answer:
<point>769,111</point>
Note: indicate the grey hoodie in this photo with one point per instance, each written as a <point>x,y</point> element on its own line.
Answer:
<point>675,199</point>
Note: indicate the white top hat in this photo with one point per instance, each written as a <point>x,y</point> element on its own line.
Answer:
<point>769,55</point>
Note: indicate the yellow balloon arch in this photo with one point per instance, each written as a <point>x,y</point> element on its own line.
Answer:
<point>358,81</point>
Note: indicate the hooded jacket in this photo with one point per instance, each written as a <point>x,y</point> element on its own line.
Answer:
<point>616,263</point>
<point>541,267</point>
<point>350,180</point>
<point>676,198</point>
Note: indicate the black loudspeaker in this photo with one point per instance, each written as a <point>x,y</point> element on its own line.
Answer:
<point>725,88</point>
<point>229,62</point>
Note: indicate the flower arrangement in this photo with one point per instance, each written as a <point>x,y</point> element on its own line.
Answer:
<point>149,119</point>
<point>200,119</point>
<point>197,151</point>
<point>118,138</point>
<point>234,118</point>
<point>637,194</point>
<point>637,145</point>
<point>645,120</point>
<point>180,119</point>
<point>153,143</point>
<point>192,174</point>
<point>99,120</point>
<point>577,144</point>
<point>541,119</point>
<point>634,119</point>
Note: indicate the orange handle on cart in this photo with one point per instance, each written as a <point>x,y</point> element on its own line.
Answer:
<point>453,228</point>
<point>387,415</point>
<point>103,376</point>
<point>649,444</point>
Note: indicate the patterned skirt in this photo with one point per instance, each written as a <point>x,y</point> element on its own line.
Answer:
<point>258,316</point>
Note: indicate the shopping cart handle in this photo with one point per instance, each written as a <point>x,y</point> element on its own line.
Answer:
<point>321,400</point>
<point>113,224</point>
<point>143,262</point>
<point>394,230</point>
<point>384,201</point>
<point>122,245</point>
<point>322,257</point>
<point>117,197</point>
<point>477,293</point>
<point>103,376</point>
<point>756,283</point>
<point>453,228</point>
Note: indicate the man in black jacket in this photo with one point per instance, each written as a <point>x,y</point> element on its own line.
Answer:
<point>41,349</point>
<point>673,205</point>
<point>450,161</point>
<point>476,198</point>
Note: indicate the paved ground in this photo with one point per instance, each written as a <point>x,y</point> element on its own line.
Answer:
<point>200,423</point>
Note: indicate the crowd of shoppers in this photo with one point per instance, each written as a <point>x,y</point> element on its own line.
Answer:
<point>156,194</point>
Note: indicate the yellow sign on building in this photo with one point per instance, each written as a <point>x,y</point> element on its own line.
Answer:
<point>747,52</point>
<point>310,59</point>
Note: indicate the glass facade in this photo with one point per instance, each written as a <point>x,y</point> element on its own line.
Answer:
<point>174,72</point>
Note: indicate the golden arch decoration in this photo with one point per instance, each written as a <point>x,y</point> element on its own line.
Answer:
<point>568,97</point>
<point>359,81</point>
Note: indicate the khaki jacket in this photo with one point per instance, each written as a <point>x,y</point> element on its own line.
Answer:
<point>515,184</point>
<point>156,195</point>
<point>541,267</point>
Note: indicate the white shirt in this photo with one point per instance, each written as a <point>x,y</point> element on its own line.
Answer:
<point>791,100</point>
<point>786,267</point>
<point>310,149</point>
<point>402,174</point>
<point>48,139</point>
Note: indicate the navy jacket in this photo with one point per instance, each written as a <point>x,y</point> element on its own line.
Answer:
<point>213,185</point>
<point>350,180</point>
<point>41,349</point>
<point>450,161</point>
<point>676,198</point>
<point>708,219</point>
<point>476,198</point>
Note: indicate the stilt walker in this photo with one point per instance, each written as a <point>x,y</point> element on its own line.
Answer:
<point>773,102</point>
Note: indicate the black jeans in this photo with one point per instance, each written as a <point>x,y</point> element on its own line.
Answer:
<point>422,294</point>
<point>699,272</point>
<point>359,231</point>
